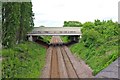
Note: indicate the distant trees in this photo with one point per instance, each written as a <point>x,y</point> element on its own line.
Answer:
<point>96,33</point>
<point>99,44</point>
<point>72,24</point>
<point>41,26</point>
<point>17,20</point>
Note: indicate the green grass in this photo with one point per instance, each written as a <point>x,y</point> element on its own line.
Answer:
<point>97,58</point>
<point>98,46</point>
<point>64,39</point>
<point>25,60</point>
<point>45,38</point>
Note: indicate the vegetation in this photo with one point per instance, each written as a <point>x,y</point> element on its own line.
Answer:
<point>23,61</point>
<point>19,59</point>
<point>17,20</point>
<point>72,24</point>
<point>45,38</point>
<point>98,46</point>
<point>65,39</point>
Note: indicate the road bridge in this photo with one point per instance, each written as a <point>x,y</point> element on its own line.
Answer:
<point>74,33</point>
<point>55,31</point>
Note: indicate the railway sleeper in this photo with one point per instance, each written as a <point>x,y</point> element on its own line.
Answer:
<point>56,44</point>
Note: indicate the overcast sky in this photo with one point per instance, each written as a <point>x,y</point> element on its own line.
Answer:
<point>52,13</point>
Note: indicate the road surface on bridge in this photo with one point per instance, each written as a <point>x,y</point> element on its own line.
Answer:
<point>60,63</point>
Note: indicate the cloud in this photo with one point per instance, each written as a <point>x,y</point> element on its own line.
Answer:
<point>55,12</point>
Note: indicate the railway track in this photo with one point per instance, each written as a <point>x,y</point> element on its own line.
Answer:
<point>60,63</point>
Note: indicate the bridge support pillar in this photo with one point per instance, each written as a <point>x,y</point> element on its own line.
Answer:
<point>30,38</point>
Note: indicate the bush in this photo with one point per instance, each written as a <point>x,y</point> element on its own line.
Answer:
<point>23,61</point>
<point>98,46</point>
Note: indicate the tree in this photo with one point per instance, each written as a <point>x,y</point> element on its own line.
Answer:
<point>17,20</point>
<point>10,23</point>
<point>97,22</point>
<point>90,37</point>
<point>72,24</point>
<point>26,20</point>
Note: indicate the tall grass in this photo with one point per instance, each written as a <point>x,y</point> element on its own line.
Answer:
<point>25,60</point>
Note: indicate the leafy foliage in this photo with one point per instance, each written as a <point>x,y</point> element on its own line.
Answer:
<point>17,20</point>
<point>10,22</point>
<point>98,45</point>
<point>45,38</point>
<point>65,39</point>
<point>72,24</point>
<point>23,61</point>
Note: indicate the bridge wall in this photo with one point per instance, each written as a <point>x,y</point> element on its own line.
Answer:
<point>55,31</point>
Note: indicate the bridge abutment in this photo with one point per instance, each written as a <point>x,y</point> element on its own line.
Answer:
<point>30,38</point>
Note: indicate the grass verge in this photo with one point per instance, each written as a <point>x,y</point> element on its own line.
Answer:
<point>25,60</point>
<point>97,58</point>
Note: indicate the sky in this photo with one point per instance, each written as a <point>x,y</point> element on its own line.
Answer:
<point>53,13</point>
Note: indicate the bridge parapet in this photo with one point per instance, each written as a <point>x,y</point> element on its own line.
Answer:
<point>38,31</point>
<point>54,31</point>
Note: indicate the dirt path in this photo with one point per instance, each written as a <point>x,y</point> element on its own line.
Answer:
<point>60,63</point>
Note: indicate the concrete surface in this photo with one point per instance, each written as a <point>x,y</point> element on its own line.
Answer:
<point>112,71</point>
